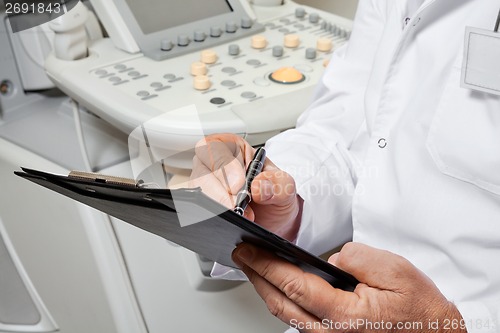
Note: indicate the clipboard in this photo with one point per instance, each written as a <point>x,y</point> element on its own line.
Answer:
<point>186,217</point>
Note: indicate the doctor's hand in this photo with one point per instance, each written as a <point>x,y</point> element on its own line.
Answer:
<point>392,296</point>
<point>219,168</point>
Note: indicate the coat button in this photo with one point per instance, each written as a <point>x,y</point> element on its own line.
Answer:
<point>382,143</point>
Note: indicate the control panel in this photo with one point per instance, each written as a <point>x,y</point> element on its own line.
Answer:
<point>254,86</point>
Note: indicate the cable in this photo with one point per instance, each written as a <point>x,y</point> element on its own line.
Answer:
<point>79,135</point>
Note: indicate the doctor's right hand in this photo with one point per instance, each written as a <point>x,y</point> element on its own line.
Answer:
<point>219,169</point>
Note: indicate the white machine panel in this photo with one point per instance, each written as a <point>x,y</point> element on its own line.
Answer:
<point>236,95</point>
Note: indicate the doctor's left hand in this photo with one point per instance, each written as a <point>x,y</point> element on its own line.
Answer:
<point>391,293</point>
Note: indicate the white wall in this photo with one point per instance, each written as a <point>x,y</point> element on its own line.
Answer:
<point>346,8</point>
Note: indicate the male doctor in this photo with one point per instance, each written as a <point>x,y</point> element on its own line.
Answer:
<point>394,155</point>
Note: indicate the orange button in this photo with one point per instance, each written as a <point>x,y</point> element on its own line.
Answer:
<point>287,75</point>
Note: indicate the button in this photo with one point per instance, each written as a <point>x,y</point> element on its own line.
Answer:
<point>324,44</point>
<point>183,40</point>
<point>120,67</point>
<point>215,31</point>
<point>228,83</point>
<point>134,73</point>
<point>199,36</point>
<point>166,45</point>
<point>253,62</point>
<point>156,85</point>
<point>314,18</point>
<point>229,70</point>
<point>231,27</point>
<point>284,30</point>
<point>246,23</point>
<point>143,93</point>
<point>198,68</point>
<point>248,94</point>
<point>101,72</point>
<point>292,41</point>
<point>300,12</point>
<point>262,82</point>
<point>217,100</point>
<point>278,51</point>
<point>311,53</point>
<point>259,42</point>
<point>287,75</point>
<point>298,26</point>
<point>304,68</point>
<point>201,82</point>
<point>209,56</point>
<point>270,25</point>
<point>233,49</point>
<point>326,62</point>
<point>115,79</point>
<point>323,25</point>
<point>169,76</point>
<point>285,21</point>
<point>382,143</point>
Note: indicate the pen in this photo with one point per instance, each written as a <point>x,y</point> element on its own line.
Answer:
<point>244,195</point>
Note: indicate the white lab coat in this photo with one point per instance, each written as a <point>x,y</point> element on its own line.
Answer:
<point>394,154</point>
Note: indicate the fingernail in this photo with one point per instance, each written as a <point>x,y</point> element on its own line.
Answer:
<point>266,190</point>
<point>245,254</point>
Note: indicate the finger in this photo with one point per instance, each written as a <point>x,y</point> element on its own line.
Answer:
<point>274,187</point>
<point>308,291</point>
<point>376,268</point>
<point>282,307</point>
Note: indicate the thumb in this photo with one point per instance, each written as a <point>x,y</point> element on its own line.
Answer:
<point>273,187</point>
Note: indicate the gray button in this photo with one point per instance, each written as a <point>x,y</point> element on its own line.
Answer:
<point>231,27</point>
<point>285,21</point>
<point>101,72</point>
<point>215,31</point>
<point>228,83</point>
<point>253,62</point>
<point>284,30</point>
<point>143,93</point>
<point>300,12</point>
<point>314,18</point>
<point>270,25</point>
<point>311,53</point>
<point>166,45</point>
<point>248,94</point>
<point>157,85</point>
<point>277,51</point>
<point>298,26</point>
<point>229,70</point>
<point>134,73</point>
<point>323,25</point>
<point>199,36</point>
<point>115,79</point>
<point>234,49</point>
<point>183,40</point>
<point>246,23</point>
<point>169,76</point>
<point>120,67</point>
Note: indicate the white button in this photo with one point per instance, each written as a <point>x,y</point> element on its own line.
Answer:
<point>209,57</point>
<point>198,68</point>
<point>324,44</point>
<point>292,41</point>
<point>259,42</point>
<point>260,81</point>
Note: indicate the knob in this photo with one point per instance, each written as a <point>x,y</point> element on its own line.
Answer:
<point>199,36</point>
<point>201,82</point>
<point>314,18</point>
<point>198,68</point>
<point>246,23</point>
<point>278,51</point>
<point>292,41</point>
<point>311,53</point>
<point>231,27</point>
<point>234,49</point>
<point>300,12</point>
<point>183,40</point>
<point>166,45</point>
<point>287,75</point>
<point>324,44</point>
<point>259,42</point>
<point>208,56</point>
<point>215,31</point>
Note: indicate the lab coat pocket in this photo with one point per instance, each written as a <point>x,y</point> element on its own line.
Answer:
<point>464,137</point>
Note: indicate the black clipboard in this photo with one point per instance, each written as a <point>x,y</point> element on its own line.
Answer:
<point>186,217</point>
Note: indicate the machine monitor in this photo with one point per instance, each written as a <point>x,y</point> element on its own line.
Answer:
<point>166,29</point>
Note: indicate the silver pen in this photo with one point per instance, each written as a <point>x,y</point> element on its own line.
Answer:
<point>254,168</point>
